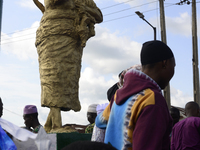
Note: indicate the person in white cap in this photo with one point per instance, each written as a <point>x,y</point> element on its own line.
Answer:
<point>91,115</point>
<point>31,118</point>
<point>98,134</point>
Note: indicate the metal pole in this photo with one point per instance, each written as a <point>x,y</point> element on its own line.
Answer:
<point>163,38</point>
<point>195,54</point>
<point>154,28</point>
<point>142,17</point>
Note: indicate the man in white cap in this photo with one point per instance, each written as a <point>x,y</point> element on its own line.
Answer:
<point>31,118</point>
<point>91,115</point>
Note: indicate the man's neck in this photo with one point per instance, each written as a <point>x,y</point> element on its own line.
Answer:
<point>36,124</point>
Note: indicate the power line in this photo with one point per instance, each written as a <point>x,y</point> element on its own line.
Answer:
<point>179,2</point>
<point>134,14</point>
<point>116,4</point>
<point>128,8</point>
<point>19,31</point>
<point>183,2</point>
<point>17,41</point>
<point>18,36</point>
<point>12,112</point>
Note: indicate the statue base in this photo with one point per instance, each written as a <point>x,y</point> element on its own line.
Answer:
<point>58,141</point>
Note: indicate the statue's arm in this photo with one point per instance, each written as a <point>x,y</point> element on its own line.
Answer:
<point>39,5</point>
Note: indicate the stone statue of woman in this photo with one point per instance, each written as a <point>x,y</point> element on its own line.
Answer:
<point>64,29</point>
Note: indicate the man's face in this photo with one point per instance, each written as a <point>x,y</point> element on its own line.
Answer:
<point>168,72</point>
<point>172,65</point>
<point>91,117</point>
<point>28,121</point>
<point>1,108</point>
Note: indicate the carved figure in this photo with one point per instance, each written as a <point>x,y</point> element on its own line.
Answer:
<point>65,27</point>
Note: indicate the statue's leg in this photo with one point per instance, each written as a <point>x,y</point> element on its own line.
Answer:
<point>53,120</point>
<point>48,124</point>
<point>56,118</point>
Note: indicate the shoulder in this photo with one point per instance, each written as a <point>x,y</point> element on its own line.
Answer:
<point>151,103</point>
<point>188,122</point>
<point>89,128</point>
<point>151,100</point>
<point>153,97</point>
<point>194,120</point>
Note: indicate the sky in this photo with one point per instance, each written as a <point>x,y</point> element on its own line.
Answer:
<point>115,47</point>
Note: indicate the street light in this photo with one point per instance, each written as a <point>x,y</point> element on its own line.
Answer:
<point>142,17</point>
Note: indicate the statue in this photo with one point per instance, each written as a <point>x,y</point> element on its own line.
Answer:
<point>64,29</point>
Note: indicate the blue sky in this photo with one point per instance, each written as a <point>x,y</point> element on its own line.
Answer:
<point>115,47</point>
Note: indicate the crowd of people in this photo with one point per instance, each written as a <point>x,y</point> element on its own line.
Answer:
<point>137,116</point>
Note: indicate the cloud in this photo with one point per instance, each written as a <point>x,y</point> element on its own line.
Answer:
<point>18,87</point>
<point>93,89</point>
<point>178,98</point>
<point>110,52</point>
<point>21,43</point>
<point>28,4</point>
<point>180,25</point>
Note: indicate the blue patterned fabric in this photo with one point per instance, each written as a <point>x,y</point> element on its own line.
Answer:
<point>5,142</point>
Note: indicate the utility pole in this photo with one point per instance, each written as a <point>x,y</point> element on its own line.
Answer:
<point>195,54</point>
<point>164,40</point>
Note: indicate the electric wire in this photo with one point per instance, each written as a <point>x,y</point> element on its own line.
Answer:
<point>20,31</point>
<point>134,14</point>
<point>12,112</point>
<point>18,36</point>
<point>128,8</point>
<point>17,41</point>
<point>177,4</point>
<point>116,4</point>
